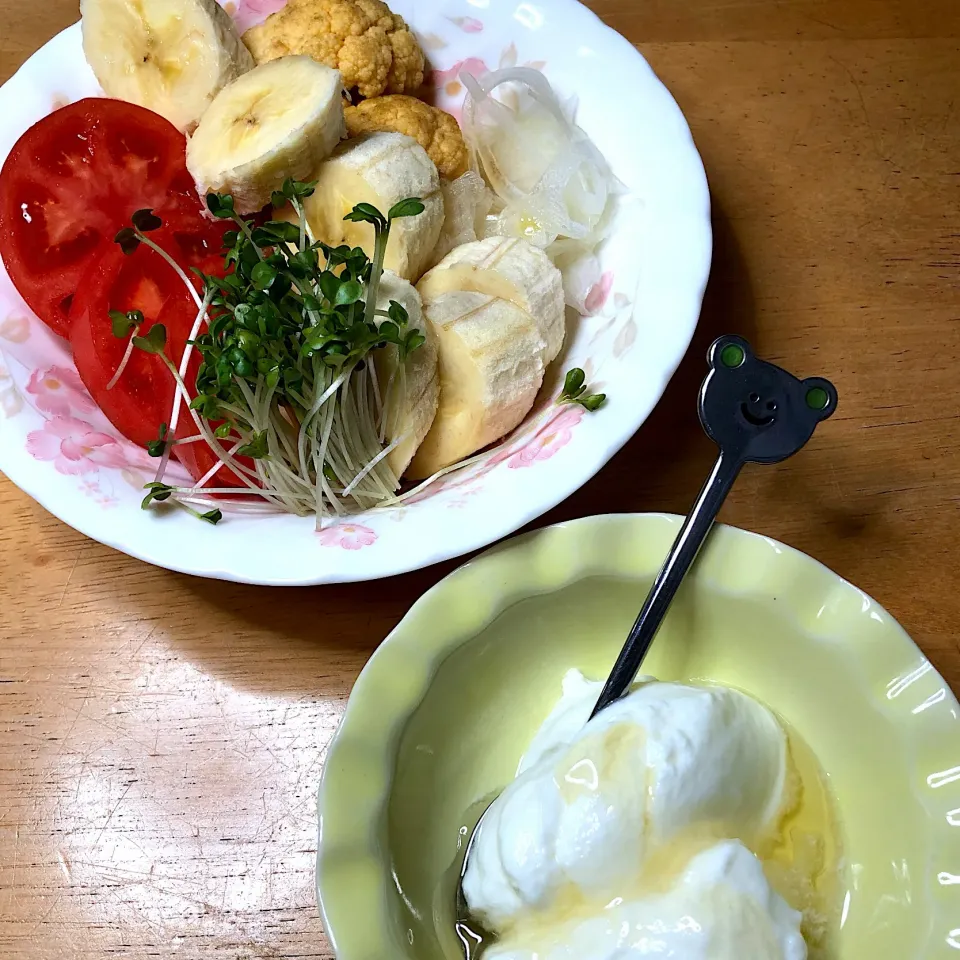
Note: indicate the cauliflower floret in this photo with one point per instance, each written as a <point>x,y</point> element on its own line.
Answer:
<point>370,45</point>
<point>436,131</point>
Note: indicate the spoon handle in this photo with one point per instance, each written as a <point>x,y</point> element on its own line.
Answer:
<point>682,554</point>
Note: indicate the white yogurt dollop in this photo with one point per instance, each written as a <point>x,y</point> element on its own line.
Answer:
<point>569,860</point>
<point>721,908</point>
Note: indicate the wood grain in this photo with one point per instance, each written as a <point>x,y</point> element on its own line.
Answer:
<point>161,737</point>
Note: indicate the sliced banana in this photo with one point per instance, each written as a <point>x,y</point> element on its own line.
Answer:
<point>491,368</point>
<point>280,120</point>
<point>513,270</point>
<point>171,56</point>
<point>466,203</point>
<point>410,397</point>
<point>382,169</point>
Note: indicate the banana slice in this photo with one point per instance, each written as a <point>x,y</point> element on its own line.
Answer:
<point>282,119</point>
<point>491,368</point>
<point>466,203</point>
<point>411,397</point>
<point>171,56</point>
<point>382,169</point>
<point>513,270</point>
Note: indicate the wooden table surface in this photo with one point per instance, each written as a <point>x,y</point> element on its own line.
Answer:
<point>161,737</point>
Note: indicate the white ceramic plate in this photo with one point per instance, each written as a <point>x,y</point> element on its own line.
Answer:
<point>56,446</point>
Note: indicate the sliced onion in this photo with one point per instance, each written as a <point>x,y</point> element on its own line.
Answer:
<point>553,185</point>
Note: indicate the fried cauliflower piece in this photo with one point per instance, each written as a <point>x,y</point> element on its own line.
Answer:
<point>371,46</point>
<point>436,131</point>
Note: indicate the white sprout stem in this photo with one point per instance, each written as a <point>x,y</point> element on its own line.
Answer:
<point>216,468</point>
<point>322,457</point>
<point>251,401</point>
<point>327,394</point>
<point>333,499</point>
<point>178,397</point>
<point>387,394</point>
<point>385,477</point>
<point>398,407</point>
<point>123,363</point>
<point>385,452</point>
<point>379,253</point>
<point>375,384</point>
<point>318,490</point>
<point>420,487</point>
<point>199,491</point>
<point>298,206</point>
<point>307,420</point>
<point>238,468</point>
<point>248,233</point>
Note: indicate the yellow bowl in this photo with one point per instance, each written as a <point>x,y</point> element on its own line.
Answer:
<point>442,712</point>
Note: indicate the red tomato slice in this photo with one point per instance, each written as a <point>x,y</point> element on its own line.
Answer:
<point>142,398</point>
<point>71,182</point>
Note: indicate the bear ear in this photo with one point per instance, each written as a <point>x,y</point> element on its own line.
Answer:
<point>820,397</point>
<point>728,353</point>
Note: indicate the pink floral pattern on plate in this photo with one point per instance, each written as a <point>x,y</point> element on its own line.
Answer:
<point>58,391</point>
<point>599,292</point>
<point>467,24</point>
<point>447,89</point>
<point>75,447</point>
<point>16,329</point>
<point>348,536</point>
<point>553,436</point>
<point>248,13</point>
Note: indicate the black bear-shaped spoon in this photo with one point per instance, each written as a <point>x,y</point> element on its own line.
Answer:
<point>756,413</point>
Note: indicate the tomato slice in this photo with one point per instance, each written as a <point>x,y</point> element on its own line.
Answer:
<point>71,182</point>
<point>142,398</point>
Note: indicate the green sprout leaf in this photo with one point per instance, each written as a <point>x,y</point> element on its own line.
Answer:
<point>157,448</point>
<point>329,285</point>
<point>146,220</point>
<point>573,384</point>
<point>263,275</point>
<point>157,492</point>
<point>257,448</point>
<point>367,213</point>
<point>206,405</point>
<point>223,431</point>
<point>349,292</point>
<point>212,517</point>
<point>128,240</point>
<point>123,323</point>
<point>411,207</point>
<point>154,341</point>
<point>594,402</point>
<point>390,332</point>
<point>574,391</point>
<point>398,314</point>
<point>221,205</point>
<point>302,190</point>
<point>414,341</point>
